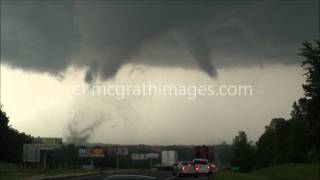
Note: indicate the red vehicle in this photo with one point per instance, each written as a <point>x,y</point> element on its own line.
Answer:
<point>204,152</point>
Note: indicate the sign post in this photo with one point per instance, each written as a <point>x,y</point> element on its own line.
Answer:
<point>117,161</point>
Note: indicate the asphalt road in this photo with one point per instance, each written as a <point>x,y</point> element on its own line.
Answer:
<point>161,175</point>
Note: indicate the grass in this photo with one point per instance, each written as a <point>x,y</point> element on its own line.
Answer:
<point>25,173</point>
<point>279,172</point>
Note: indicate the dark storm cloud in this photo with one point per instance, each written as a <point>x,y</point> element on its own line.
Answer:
<point>38,36</point>
<point>104,35</point>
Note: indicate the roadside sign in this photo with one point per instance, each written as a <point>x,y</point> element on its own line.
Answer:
<point>138,157</point>
<point>83,153</point>
<point>31,152</point>
<point>152,155</point>
<point>97,152</point>
<point>144,156</point>
<point>48,141</point>
<point>235,168</point>
<point>117,151</point>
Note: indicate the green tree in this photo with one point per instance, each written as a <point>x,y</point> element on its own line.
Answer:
<point>243,153</point>
<point>11,141</point>
<point>296,139</point>
<point>311,64</point>
<point>272,146</point>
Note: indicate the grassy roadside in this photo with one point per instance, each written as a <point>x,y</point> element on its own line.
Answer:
<point>26,173</point>
<point>279,172</point>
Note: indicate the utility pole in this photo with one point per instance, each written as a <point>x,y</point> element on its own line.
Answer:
<point>44,160</point>
<point>91,161</point>
<point>117,161</point>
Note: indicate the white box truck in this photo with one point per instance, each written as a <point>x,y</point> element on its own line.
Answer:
<point>168,158</point>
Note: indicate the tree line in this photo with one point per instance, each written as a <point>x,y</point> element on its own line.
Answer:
<point>293,140</point>
<point>11,140</point>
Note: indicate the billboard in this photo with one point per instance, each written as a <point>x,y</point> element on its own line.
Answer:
<point>97,152</point>
<point>48,140</point>
<point>122,151</point>
<point>152,155</point>
<point>84,153</point>
<point>117,151</point>
<point>144,156</point>
<point>31,152</point>
<point>138,157</point>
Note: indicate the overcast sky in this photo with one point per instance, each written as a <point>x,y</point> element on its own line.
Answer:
<point>50,48</point>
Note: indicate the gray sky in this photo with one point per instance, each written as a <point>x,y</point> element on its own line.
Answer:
<point>49,48</point>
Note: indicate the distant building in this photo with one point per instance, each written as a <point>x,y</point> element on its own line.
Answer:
<point>77,140</point>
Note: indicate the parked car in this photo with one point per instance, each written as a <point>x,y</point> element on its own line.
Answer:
<point>184,168</point>
<point>202,166</point>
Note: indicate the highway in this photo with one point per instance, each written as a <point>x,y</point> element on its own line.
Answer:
<point>161,175</point>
